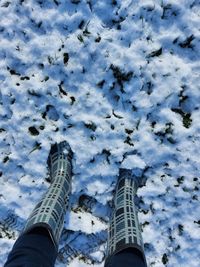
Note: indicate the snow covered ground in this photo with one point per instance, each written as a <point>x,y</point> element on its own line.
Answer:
<point>119,80</point>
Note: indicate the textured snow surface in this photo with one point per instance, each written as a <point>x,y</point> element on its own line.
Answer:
<point>119,80</point>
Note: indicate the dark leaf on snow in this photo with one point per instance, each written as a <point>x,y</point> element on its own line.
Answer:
<point>33,131</point>
<point>187,42</point>
<point>65,58</point>
<point>187,121</point>
<point>164,259</point>
<point>52,113</point>
<point>120,75</point>
<point>156,53</point>
<point>92,126</point>
<point>6,4</point>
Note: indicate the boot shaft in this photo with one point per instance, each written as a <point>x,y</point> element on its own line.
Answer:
<point>124,230</point>
<point>60,161</point>
<point>50,211</point>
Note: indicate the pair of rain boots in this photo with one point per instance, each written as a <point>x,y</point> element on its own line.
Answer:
<point>124,231</point>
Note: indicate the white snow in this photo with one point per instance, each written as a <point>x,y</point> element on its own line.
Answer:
<point>128,96</point>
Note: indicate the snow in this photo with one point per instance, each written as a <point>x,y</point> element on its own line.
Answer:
<point>119,80</point>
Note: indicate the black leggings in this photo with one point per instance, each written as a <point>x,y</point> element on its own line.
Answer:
<point>37,250</point>
<point>34,249</point>
<point>126,258</point>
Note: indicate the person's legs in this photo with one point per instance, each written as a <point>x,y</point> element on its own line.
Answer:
<point>126,258</point>
<point>38,244</point>
<point>33,249</point>
<point>125,246</point>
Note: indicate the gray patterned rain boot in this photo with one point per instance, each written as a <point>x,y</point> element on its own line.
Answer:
<point>50,211</point>
<point>124,230</point>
